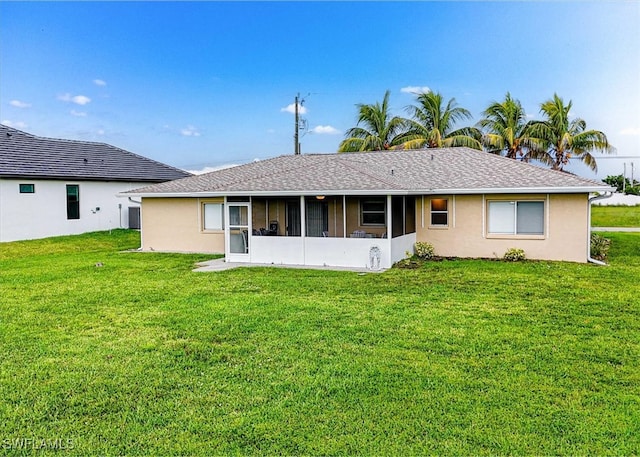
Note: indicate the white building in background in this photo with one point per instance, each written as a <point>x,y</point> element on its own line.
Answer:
<point>618,199</point>
<point>51,187</point>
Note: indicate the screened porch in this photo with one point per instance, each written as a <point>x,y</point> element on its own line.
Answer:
<point>356,231</point>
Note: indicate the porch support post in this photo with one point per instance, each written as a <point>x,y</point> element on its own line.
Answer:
<point>225,218</point>
<point>389,218</point>
<point>303,228</point>
<point>344,216</point>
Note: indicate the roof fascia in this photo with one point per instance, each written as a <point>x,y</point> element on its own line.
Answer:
<point>506,190</point>
<point>262,193</point>
<point>521,190</point>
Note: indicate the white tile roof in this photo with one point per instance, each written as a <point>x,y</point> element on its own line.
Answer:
<point>447,170</point>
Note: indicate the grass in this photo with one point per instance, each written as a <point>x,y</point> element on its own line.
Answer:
<point>615,216</point>
<point>142,356</point>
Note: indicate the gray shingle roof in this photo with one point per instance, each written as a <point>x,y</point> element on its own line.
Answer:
<point>28,156</point>
<point>459,170</point>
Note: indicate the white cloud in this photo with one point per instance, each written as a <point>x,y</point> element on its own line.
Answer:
<point>292,109</point>
<point>415,90</point>
<point>19,104</point>
<point>325,129</point>
<point>204,170</point>
<point>15,125</point>
<point>99,82</point>
<point>100,132</point>
<point>634,131</point>
<point>77,99</point>
<point>78,113</point>
<point>190,130</point>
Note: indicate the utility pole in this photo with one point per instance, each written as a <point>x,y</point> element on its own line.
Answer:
<point>624,176</point>
<point>299,102</point>
<point>296,138</point>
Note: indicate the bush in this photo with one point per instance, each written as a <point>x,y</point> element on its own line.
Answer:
<point>599,246</point>
<point>514,255</point>
<point>633,190</point>
<point>424,250</point>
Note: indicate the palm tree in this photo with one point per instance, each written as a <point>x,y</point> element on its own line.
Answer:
<point>507,130</point>
<point>432,124</point>
<point>376,130</point>
<point>566,138</point>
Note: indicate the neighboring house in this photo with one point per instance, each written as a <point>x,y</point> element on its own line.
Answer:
<point>52,187</point>
<point>368,209</point>
<point>618,199</point>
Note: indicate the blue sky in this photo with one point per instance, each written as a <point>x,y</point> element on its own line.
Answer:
<point>205,84</point>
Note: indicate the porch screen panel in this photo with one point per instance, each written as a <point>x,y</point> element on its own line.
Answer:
<point>317,218</point>
<point>293,218</point>
<point>397,216</point>
<point>373,211</point>
<point>410,215</point>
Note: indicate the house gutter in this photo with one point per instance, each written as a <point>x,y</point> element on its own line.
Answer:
<point>591,200</point>
<point>366,192</point>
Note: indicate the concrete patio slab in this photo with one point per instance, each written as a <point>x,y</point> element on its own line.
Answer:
<point>221,265</point>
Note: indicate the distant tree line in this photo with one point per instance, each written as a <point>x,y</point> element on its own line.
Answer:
<point>623,184</point>
<point>503,129</point>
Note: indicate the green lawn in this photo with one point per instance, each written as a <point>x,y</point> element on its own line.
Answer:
<point>615,216</point>
<point>141,356</point>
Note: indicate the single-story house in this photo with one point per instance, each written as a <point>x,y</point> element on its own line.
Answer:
<point>369,209</point>
<point>51,187</point>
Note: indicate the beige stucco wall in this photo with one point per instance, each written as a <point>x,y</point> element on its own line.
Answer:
<point>565,237</point>
<point>175,224</point>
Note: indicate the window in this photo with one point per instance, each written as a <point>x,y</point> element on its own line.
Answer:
<point>27,188</point>
<point>439,211</point>
<point>73,201</point>
<point>373,211</point>
<point>213,216</point>
<point>516,217</point>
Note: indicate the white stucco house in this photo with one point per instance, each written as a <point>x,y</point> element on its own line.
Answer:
<point>369,209</point>
<point>51,187</point>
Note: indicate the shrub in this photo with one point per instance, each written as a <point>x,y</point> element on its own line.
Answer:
<point>599,246</point>
<point>633,190</point>
<point>514,255</point>
<point>424,250</point>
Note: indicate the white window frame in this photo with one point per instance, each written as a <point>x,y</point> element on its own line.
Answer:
<point>219,220</point>
<point>432,212</point>
<point>514,231</point>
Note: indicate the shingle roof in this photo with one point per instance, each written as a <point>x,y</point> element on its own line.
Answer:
<point>28,156</point>
<point>459,170</point>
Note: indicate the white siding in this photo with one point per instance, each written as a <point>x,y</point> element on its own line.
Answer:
<point>44,213</point>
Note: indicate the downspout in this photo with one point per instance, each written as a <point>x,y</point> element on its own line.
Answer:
<point>593,199</point>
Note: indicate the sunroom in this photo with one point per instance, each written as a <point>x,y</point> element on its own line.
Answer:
<point>371,231</point>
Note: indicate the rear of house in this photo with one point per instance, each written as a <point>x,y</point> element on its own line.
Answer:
<point>369,209</point>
